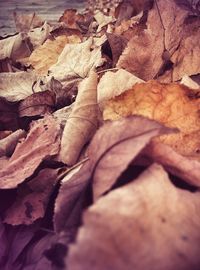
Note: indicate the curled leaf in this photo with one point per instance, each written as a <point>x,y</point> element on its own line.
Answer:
<point>82,122</point>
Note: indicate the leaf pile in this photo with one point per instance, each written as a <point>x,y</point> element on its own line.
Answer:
<point>99,138</point>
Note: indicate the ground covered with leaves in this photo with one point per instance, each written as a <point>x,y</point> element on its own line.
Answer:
<point>99,139</point>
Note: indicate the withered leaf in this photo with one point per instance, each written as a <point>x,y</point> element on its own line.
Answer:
<point>42,142</point>
<point>32,199</point>
<point>17,86</point>
<point>76,60</point>
<point>72,18</point>
<point>46,55</point>
<point>174,105</point>
<point>115,146</point>
<point>82,122</point>
<point>183,167</point>
<point>37,104</point>
<point>25,22</point>
<point>147,224</point>
<point>8,144</point>
<point>8,115</point>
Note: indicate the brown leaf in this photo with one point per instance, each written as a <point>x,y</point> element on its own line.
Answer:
<point>82,122</point>
<point>174,105</point>
<point>147,224</point>
<point>71,18</point>
<point>8,144</point>
<point>32,199</point>
<point>25,22</point>
<point>41,143</point>
<point>70,200</point>
<point>183,167</point>
<point>115,146</point>
<point>37,104</point>
<point>47,54</point>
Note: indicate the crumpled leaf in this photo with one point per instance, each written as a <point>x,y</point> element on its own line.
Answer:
<point>8,144</point>
<point>115,83</point>
<point>76,60</point>
<point>42,142</point>
<point>32,199</point>
<point>147,224</point>
<point>115,146</point>
<point>44,56</point>
<point>40,103</point>
<point>18,86</point>
<point>25,22</point>
<point>15,47</point>
<point>102,20</point>
<point>62,114</point>
<point>174,105</point>
<point>183,167</point>
<point>72,18</point>
<point>82,122</point>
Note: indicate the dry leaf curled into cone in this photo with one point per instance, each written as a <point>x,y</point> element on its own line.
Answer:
<point>146,224</point>
<point>82,122</point>
<point>174,105</point>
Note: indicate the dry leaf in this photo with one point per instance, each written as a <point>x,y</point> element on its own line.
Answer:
<point>115,146</point>
<point>186,59</point>
<point>174,105</point>
<point>37,104</point>
<point>25,22</point>
<point>32,199</point>
<point>42,142</point>
<point>147,224</point>
<point>115,83</point>
<point>14,47</point>
<point>76,60</point>
<point>187,81</point>
<point>47,54</point>
<point>178,165</point>
<point>102,20</point>
<point>18,86</point>
<point>8,144</point>
<point>69,202</point>
<point>71,18</point>
<point>8,115</point>
<point>38,35</point>
<point>82,122</point>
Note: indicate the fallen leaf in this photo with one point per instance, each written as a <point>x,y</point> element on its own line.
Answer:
<point>115,146</point>
<point>70,200</point>
<point>42,142</point>
<point>183,167</point>
<point>187,81</point>
<point>71,18</point>
<point>63,114</point>
<point>4,134</point>
<point>185,59</point>
<point>115,83</point>
<point>25,22</point>
<point>82,122</point>
<point>32,199</point>
<point>102,20</point>
<point>8,144</point>
<point>37,104</point>
<point>18,86</point>
<point>174,105</point>
<point>129,219</point>
<point>14,47</point>
<point>76,60</point>
<point>44,56</point>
